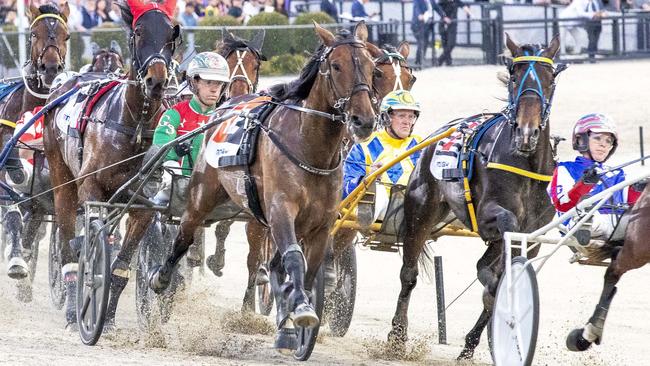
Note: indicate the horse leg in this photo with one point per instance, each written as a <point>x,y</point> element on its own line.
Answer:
<point>217,261</point>
<point>494,221</point>
<point>419,218</point>
<point>29,235</point>
<point>136,225</point>
<point>13,225</point>
<point>204,196</point>
<point>256,235</point>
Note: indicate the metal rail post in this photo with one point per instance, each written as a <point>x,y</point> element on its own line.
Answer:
<point>440,297</point>
<point>641,144</point>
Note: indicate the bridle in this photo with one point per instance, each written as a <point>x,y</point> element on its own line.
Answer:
<point>106,55</point>
<point>141,66</point>
<point>51,22</point>
<point>531,72</point>
<point>396,60</point>
<point>360,84</point>
<point>239,71</point>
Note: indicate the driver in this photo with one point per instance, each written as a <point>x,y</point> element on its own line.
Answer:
<point>398,114</point>
<point>595,138</point>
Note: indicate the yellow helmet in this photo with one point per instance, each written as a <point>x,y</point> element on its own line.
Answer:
<point>399,99</point>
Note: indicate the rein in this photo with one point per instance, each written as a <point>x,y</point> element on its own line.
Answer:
<point>241,53</point>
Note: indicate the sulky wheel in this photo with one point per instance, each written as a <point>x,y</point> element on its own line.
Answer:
<point>265,298</point>
<point>93,283</point>
<point>341,301</point>
<point>515,319</point>
<point>55,278</point>
<point>306,336</point>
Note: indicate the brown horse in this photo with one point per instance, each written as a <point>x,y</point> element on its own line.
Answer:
<point>123,116</point>
<point>392,72</point>
<point>107,59</point>
<point>633,253</point>
<point>47,45</point>
<point>297,200</point>
<point>520,137</point>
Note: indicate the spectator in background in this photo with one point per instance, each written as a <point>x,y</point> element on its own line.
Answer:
<point>422,24</point>
<point>5,8</point>
<point>199,10</point>
<point>213,10</point>
<point>103,12</point>
<point>448,28</point>
<point>115,14</point>
<point>236,10</point>
<point>90,18</point>
<point>359,10</point>
<point>281,6</point>
<point>639,4</point>
<point>188,17</point>
<point>329,7</point>
<point>75,18</point>
<point>251,8</point>
<point>590,10</point>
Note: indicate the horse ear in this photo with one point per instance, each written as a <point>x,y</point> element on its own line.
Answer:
<point>553,47</point>
<point>375,51</point>
<point>94,47</point>
<point>361,31</point>
<point>326,36</point>
<point>115,47</point>
<point>65,10</point>
<point>258,40</point>
<point>404,49</point>
<point>227,34</point>
<point>33,11</point>
<point>512,46</point>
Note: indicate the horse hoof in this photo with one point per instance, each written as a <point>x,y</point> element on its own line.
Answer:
<point>193,262</point>
<point>465,354</point>
<point>72,327</point>
<point>305,317</point>
<point>17,268</point>
<point>395,336</point>
<point>213,264</point>
<point>262,277</point>
<point>576,342</point>
<point>157,281</point>
<point>286,341</point>
<point>109,327</point>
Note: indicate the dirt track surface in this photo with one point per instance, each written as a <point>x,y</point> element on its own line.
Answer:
<point>200,332</point>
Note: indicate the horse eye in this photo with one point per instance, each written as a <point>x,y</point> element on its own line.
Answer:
<point>336,67</point>
<point>33,35</point>
<point>377,74</point>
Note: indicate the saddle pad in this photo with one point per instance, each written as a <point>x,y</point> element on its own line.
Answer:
<point>69,114</point>
<point>448,150</point>
<point>227,138</point>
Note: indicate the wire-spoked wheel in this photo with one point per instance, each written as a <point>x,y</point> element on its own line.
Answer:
<point>93,283</point>
<point>515,319</point>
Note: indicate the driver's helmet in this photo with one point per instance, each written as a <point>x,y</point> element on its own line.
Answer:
<point>209,66</point>
<point>395,100</point>
<point>597,123</point>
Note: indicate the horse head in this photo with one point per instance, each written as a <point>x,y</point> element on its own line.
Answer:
<point>47,41</point>
<point>107,59</point>
<point>152,41</point>
<point>530,90</point>
<point>392,71</point>
<point>345,75</point>
<point>244,60</point>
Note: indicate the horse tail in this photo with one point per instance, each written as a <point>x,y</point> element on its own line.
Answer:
<point>425,262</point>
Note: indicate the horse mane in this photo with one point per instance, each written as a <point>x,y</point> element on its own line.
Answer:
<point>228,45</point>
<point>390,48</point>
<point>127,15</point>
<point>49,9</point>
<point>299,89</point>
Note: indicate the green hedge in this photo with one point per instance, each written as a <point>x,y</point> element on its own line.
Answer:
<point>276,42</point>
<point>207,40</point>
<point>306,39</point>
<point>283,65</point>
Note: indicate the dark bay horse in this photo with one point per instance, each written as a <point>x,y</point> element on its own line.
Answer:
<point>634,253</point>
<point>504,201</point>
<point>334,91</point>
<point>47,45</point>
<point>121,127</point>
<point>107,59</point>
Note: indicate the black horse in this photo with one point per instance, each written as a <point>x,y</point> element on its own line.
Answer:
<point>518,138</point>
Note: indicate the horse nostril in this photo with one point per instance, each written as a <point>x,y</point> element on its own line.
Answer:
<point>356,121</point>
<point>536,133</point>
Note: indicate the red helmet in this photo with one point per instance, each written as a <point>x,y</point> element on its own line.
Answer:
<point>597,123</point>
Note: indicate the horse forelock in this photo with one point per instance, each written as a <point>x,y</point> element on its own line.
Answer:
<point>49,9</point>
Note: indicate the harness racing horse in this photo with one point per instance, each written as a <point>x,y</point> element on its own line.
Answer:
<point>392,71</point>
<point>47,45</point>
<point>512,165</point>
<point>296,173</point>
<point>107,60</point>
<point>632,253</point>
<point>123,116</point>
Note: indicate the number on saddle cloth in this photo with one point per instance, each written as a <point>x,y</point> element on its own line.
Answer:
<point>233,142</point>
<point>449,155</point>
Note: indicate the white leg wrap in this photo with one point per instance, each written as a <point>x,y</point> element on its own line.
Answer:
<point>591,333</point>
<point>68,268</point>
